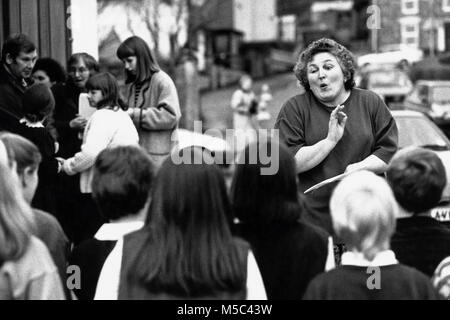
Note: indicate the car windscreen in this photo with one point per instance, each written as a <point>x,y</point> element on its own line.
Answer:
<point>419,131</point>
<point>388,78</point>
<point>441,94</point>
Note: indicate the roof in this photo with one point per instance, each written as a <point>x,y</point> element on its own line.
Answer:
<point>406,113</point>
<point>434,82</point>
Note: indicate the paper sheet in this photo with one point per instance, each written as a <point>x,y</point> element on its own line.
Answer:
<point>327,181</point>
<point>84,108</point>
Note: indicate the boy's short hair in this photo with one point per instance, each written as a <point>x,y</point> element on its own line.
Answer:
<point>363,210</point>
<point>122,180</point>
<point>417,176</point>
<point>38,102</point>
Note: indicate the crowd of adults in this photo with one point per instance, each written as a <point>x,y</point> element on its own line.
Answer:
<point>102,191</point>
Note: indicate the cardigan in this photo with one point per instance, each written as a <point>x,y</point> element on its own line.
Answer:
<point>155,113</point>
<point>350,282</point>
<point>90,255</point>
<point>106,128</point>
<point>421,242</point>
<point>288,256</point>
<point>49,231</point>
<point>44,197</point>
<point>112,284</point>
<point>32,277</point>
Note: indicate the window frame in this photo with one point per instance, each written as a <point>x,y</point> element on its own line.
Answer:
<point>413,10</point>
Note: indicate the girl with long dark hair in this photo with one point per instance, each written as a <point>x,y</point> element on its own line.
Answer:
<point>152,99</point>
<point>289,251</point>
<point>186,250</point>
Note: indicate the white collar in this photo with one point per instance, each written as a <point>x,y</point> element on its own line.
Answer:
<point>383,258</point>
<point>36,124</point>
<point>116,230</point>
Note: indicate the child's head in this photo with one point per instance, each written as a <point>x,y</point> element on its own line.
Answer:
<point>103,91</point>
<point>363,210</point>
<point>191,195</point>
<point>245,82</point>
<point>139,60</point>
<point>260,197</point>
<point>417,177</point>
<point>38,102</point>
<point>16,218</point>
<point>122,180</point>
<point>27,158</point>
<point>265,88</point>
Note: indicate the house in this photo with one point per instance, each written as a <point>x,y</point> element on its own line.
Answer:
<point>423,24</point>
<point>342,20</point>
<point>240,34</point>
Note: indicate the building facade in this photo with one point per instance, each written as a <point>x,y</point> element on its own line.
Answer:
<point>44,21</point>
<point>423,24</point>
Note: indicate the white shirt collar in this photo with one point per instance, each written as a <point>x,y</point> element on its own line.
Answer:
<point>383,258</point>
<point>116,230</point>
<point>37,124</point>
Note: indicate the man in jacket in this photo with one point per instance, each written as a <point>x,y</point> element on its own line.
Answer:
<point>17,61</point>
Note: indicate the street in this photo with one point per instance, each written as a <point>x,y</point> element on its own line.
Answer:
<point>215,105</point>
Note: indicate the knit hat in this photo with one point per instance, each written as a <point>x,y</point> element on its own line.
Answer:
<point>38,102</point>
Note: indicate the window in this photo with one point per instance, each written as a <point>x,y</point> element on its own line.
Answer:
<point>410,6</point>
<point>410,31</point>
<point>288,24</point>
<point>410,28</point>
<point>410,34</point>
<point>446,5</point>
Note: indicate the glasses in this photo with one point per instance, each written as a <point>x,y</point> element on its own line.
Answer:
<point>79,70</point>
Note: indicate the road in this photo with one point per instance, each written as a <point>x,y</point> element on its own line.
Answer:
<point>215,105</point>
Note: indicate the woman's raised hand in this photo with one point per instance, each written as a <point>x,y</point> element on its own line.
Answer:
<point>336,125</point>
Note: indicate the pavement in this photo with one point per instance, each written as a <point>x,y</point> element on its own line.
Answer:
<point>215,105</point>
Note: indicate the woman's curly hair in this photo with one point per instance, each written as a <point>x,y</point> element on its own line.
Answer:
<point>342,54</point>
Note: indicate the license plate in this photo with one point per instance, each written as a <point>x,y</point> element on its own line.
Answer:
<point>441,214</point>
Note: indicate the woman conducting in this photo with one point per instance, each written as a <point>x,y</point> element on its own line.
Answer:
<point>333,127</point>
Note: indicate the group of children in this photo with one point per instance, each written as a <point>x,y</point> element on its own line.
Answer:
<point>179,233</point>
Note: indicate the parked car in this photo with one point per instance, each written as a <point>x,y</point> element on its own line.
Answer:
<point>415,129</point>
<point>396,54</point>
<point>391,84</point>
<point>431,97</point>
